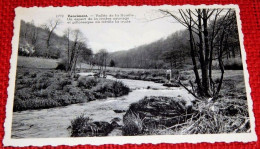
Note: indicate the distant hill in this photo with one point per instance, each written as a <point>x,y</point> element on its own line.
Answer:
<point>153,55</point>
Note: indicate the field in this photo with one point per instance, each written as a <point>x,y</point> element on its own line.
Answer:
<point>36,62</point>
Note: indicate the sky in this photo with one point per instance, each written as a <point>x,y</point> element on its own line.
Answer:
<point>143,29</point>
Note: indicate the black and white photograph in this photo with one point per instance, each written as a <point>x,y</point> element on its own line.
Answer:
<point>135,74</point>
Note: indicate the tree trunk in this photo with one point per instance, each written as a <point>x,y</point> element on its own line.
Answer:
<point>204,69</point>
<point>68,60</point>
<point>195,69</point>
<point>205,76</point>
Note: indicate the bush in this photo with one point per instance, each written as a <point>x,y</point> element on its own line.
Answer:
<point>36,103</point>
<point>111,88</point>
<point>120,89</point>
<point>133,124</point>
<point>87,82</point>
<point>76,77</point>
<point>64,82</point>
<point>154,113</point>
<point>78,125</point>
<point>224,116</point>
<point>83,126</point>
<point>33,75</point>
<point>24,94</point>
<point>48,74</point>
<point>42,83</point>
<point>62,65</point>
<point>233,64</point>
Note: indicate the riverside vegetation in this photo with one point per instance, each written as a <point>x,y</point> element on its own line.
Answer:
<point>158,115</point>
<point>39,89</point>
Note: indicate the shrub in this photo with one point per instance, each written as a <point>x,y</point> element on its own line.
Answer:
<point>83,126</point>
<point>36,103</point>
<point>26,73</point>
<point>42,93</point>
<point>120,89</point>
<point>76,77</point>
<point>78,125</point>
<point>111,88</point>
<point>33,75</point>
<point>87,82</point>
<point>42,83</point>
<point>233,64</point>
<point>62,65</point>
<point>24,94</point>
<point>48,74</point>
<point>218,117</point>
<point>154,113</point>
<point>64,100</point>
<point>64,82</point>
<point>133,124</point>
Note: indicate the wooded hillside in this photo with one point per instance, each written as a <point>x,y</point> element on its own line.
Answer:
<point>32,42</point>
<point>163,53</point>
<point>174,51</point>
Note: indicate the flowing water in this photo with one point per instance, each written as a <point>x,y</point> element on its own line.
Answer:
<point>54,122</point>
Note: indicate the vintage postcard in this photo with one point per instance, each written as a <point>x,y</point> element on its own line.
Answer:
<point>132,74</point>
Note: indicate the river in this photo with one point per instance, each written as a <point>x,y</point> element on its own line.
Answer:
<point>54,122</point>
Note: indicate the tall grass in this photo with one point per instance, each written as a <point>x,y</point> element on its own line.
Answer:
<point>79,126</point>
<point>147,117</point>
<point>133,124</point>
<point>83,126</point>
<point>218,117</point>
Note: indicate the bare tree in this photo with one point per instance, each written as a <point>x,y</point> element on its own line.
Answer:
<point>50,27</point>
<point>24,29</point>
<point>75,44</point>
<point>67,34</point>
<point>33,34</point>
<point>101,61</point>
<point>203,44</point>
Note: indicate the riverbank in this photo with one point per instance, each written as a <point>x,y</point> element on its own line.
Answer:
<point>162,115</point>
<point>46,88</point>
<point>157,76</point>
<point>56,122</point>
<point>171,116</point>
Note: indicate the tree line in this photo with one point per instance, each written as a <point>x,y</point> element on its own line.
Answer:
<point>163,53</point>
<point>39,41</point>
<point>44,42</point>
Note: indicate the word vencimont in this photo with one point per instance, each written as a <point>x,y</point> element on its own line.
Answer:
<point>77,15</point>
